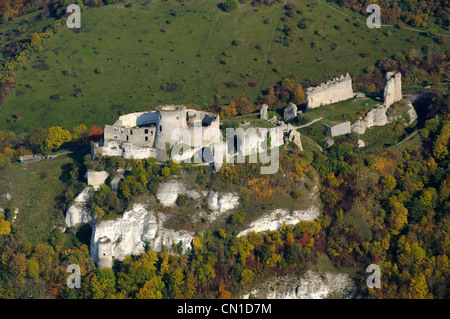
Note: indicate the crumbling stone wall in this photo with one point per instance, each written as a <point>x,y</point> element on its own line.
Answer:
<point>392,88</point>
<point>336,90</point>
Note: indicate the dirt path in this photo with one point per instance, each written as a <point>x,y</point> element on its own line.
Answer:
<point>405,139</point>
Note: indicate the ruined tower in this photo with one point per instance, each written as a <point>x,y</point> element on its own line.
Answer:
<point>104,253</point>
<point>170,117</point>
<point>392,88</point>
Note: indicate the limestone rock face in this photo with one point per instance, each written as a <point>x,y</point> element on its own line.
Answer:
<point>412,113</point>
<point>312,285</point>
<point>294,136</point>
<point>361,143</point>
<point>263,112</point>
<point>128,234</point>
<point>78,213</point>
<point>115,181</point>
<point>96,179</point>
<point>290,112</point>
<point>168,191</point>
<point>376,117</point>
<point>222,202</point>
<point>359,127</point>
<point>273,220</point>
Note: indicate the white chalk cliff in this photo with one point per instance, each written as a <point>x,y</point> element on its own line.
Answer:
<point>129,233</point>
<point>78,213</point>
<point>312,285</point>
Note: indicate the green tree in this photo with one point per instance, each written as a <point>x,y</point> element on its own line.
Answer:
<point>56,136</point>
<point>230,5</point>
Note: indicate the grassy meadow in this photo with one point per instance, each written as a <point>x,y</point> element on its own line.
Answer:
<point>133,58</point>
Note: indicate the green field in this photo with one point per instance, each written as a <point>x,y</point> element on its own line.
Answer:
<point>35,190</point>
<point>150,55</point>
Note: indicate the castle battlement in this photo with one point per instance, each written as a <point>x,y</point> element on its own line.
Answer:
<point>336,90</point>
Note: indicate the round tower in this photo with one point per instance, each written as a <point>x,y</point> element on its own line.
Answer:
<point>170,117</point>
<point>104,253</point>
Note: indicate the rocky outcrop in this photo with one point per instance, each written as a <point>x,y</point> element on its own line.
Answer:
<point>290,112</point>
<point>376,117</point>
<point>339,89</point>
<point>222,202</point>
<point>294,136</point>
<point>78,213</point>
<point>263,112</point>
<point>128,234</point>
<point>273,220</point>
<point>168,191</point>
<point>96,179</point>
<point>361,143</point>
<point>116,179</point>
<point>359,127</point>
<point>312,285</point>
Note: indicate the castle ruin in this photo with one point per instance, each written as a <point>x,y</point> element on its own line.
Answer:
<point>336,90</point>
<point>149,134</point>
<point>392,88</point>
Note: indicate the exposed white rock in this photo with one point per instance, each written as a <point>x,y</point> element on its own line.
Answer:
<point>361,143</point>
<point>128,234</point>
<point>78,213</point>
<point>222,202</point>
<point>116,179</point>
<point>412,113</point>
<point>96,179</point>
<point>312,285</point>
<point>273,220</point>
<point>290,112</point>
<point>7,196</point>
<point>167,193</point>
<point>16,212</point>
<point>376,117</point>
<point>359,127</point>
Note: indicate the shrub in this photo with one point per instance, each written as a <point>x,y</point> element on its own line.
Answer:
<point>99,70</point>
<point>237,42</point>
<point>230,5</point>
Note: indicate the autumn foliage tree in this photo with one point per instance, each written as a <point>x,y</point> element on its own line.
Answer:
<point>95,133</point>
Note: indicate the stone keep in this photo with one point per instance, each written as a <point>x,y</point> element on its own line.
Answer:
<point>339,89</point>
<point>290,112</point>
<point>142,135</point>
<point>392,88</point>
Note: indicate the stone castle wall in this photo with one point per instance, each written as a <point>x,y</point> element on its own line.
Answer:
<point>145,134</point>
<point>339,89</point>
<point>392,88</point>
